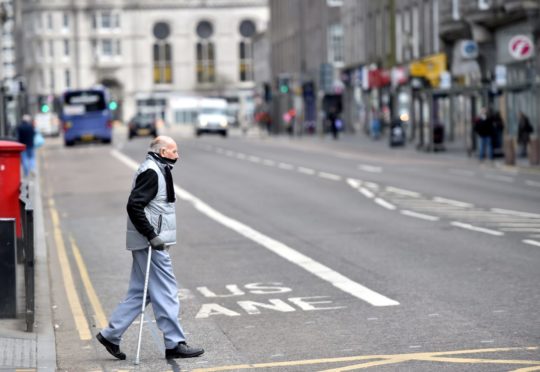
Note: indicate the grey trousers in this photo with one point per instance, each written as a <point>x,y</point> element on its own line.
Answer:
<point>162,293</point>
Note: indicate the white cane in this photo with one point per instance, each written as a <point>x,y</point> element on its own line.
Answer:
<point>143,303</point>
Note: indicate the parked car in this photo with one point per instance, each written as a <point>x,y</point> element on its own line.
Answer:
<point>143,125</point>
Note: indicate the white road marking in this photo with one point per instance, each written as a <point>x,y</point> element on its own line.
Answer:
<point>268,162</point>
<point>396,190</point>
<point>241,156</point>
<point>370,168</point>
<point>531,242</point>
<point>462,172</point>
<point>330,176</point>
<point>476,228</point>
<point>371,185</point>
<point>254,159</point>
<point>229,153</point>
<point>321,271</point>
<point>426,217</point>
<point>456,203</point>
<point>487,341</point>
<point>383,203</point>
<point>515,213</point>
<point>434,315</point>
<point>307,171</point>
<point>354,183</point>
<point>521,229</point>
<point>366,192</point>
<point>285,166</point>
<point>499,178</point>
<point>219,150</point>
<point>532,183</point>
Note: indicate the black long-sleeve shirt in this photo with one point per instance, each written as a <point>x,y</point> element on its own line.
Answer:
<point>146,188</point>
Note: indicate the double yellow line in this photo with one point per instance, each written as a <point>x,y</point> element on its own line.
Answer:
<point>69,284</point>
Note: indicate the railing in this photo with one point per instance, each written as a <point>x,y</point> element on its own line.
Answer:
<point>25,250</point>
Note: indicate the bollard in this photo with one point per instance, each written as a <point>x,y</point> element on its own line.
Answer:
<point>534,150</point>
<point>509,150</point>
<point>8,268</point>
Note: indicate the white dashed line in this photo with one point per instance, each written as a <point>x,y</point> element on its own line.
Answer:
<point>383,203</point>
<point>366,192</point>
<point>531,242</point>
<point>354,183</point>
<point>515,213</point>
<point>255,159</point>
<point>476,228</point>
<point>229,153</point>
<point>371,185</point>
<point>268,162</point>
<point>330,176</point>
<point>456,203</point>
<point>241,156</point>
<point>396,190</point>
<point>285,166</point>
<point>532,183</point>
<point>370,168</point>
<point>307,171</point>
<point>426,217</point>
<point>499,178</point>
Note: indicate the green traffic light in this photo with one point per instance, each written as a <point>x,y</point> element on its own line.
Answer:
<point>113,105</point>
<point>45,108</point>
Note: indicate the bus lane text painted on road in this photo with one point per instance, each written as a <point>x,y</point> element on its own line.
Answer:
<point>245,305</point>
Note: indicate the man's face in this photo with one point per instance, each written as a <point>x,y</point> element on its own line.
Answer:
<point>170,151</point>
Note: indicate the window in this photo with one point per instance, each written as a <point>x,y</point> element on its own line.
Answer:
<point>66,48</point>
<point>67,75</point>
<point>106,20</point>
<point>416,32</point>
<point>455,10</point>
<point>65,21</point>
<point>399,39</point>
<point>49,21</point>
<point>51,48</point>
<point>94,21</point>
<point>334,3</point>
<point>205,53</point>
<point>51,80</point>
<point>335,44</point>
<point>107,47</point>
<point>484,4</point>
<point>162,54</point>
<point>247,31</point>
<point>118,47</point>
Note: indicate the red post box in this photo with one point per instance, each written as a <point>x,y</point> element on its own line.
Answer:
<point>10,181</point>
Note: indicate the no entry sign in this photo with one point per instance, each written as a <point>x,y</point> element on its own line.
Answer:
<point>520,47</point>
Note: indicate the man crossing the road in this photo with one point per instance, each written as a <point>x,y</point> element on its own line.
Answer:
<point>151,222</point>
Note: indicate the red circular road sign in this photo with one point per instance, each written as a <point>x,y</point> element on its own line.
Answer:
<point>520,47</point>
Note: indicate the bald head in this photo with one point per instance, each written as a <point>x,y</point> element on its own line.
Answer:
<point>164,146</point>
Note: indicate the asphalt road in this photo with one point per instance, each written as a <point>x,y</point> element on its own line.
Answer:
<point>305,255</point>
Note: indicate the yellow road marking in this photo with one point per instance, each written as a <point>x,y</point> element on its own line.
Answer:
<point>75,304</point>
<point>101,320</point>
<point>393,359</point>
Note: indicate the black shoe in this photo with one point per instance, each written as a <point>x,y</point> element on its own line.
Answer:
<point>182,350</point>
<point>113,349</point>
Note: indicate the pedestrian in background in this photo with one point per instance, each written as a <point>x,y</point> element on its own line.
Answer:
<point>25,135</point>
<point>498,131</point>
<point>483,127</point>
<point>525,130</point>
<point>151,223</point>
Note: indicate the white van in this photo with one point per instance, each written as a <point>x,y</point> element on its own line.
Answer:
<point>47,124</point>
<point>212,117</point>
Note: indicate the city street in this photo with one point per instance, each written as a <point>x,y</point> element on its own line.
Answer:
<point>304,254</point>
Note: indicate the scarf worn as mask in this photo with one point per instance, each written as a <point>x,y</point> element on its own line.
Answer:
<point>171,197</point>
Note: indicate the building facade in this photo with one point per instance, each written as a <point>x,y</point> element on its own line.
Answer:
<point>142,51</point>
<point>433,64</point>
<point>306,38</point>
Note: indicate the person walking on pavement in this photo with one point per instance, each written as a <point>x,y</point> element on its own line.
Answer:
<point>25,135</point>
<point>484,129</point>
<point>524,133</point>
<point>151,222</point>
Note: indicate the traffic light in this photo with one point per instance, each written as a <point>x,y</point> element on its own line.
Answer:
<point>284,85</point>
<point>113,105</point>
<point>45,108</point>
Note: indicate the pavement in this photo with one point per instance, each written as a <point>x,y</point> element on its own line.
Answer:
<point>36,351</point>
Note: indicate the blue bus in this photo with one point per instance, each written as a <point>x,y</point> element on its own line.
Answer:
<point>86,116</point>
